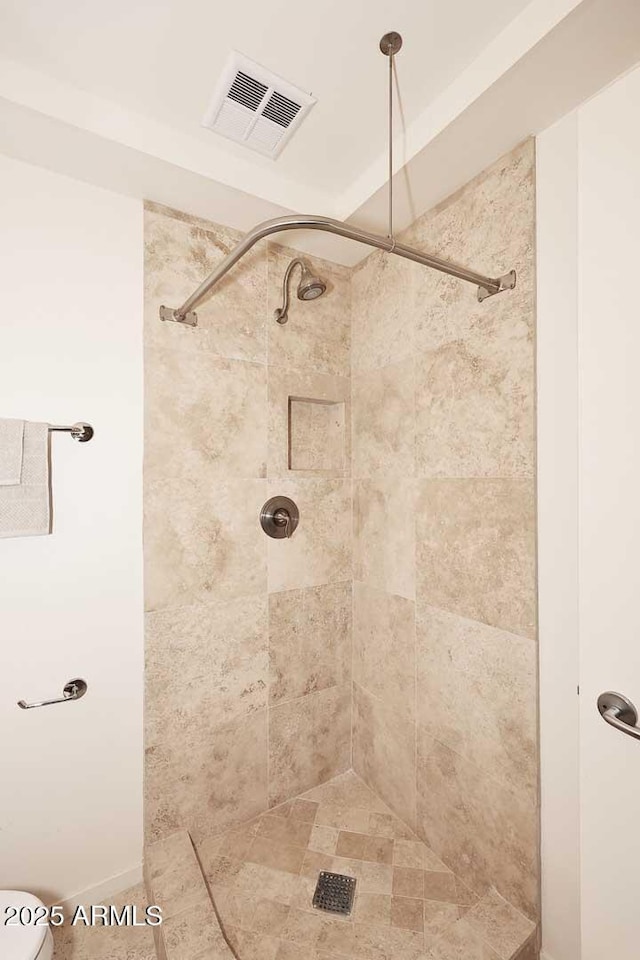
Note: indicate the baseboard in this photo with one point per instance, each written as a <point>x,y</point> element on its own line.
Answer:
<point>101,891</point>
<point>545,956</point>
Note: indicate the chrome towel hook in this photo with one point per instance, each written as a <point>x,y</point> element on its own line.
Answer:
<point>72,690</point>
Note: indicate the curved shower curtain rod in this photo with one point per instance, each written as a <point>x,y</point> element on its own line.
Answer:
<point>487,286</point>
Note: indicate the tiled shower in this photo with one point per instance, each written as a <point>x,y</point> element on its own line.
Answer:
<point>395,634</point>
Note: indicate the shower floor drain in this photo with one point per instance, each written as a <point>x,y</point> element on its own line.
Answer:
<point>334,892</point>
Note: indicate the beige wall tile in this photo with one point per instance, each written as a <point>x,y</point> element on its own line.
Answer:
<point>490,226</point>
<point>384,647</point>
<point>475,406</point>
<point>382,318</point>
<point>205,416</point>
<point>384,534</point>
<point>384,421</point>
<point>208,788</point>
<point>309,640</point>
<point>475,538</point>
<point>208,428</point>
<point>180,252</point>
<point>482,828</point>
<point>320,440</point>
<point>317,335</point>
<point>309,741</point>
<point>203,542</point>
<point>320,549</point>
<point>476,550</point>
<point>205,660</point>
<point>477,694</point>
<point>384,752</point>
<point>447,311</point>
<point>475,394</point>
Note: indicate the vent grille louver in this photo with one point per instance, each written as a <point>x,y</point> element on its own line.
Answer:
<point>281,110</point>
<point>247,91</point>
<point>255,107</point>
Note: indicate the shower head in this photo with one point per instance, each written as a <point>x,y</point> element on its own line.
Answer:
<point>310,287</point>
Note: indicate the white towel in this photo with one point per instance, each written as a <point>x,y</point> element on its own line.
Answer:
<point>25,507</point>
<point>11,434</point>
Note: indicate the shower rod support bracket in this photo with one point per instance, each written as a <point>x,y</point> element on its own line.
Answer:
<point>190,318</point>
<point>391,43</point>
<point>506,282</point>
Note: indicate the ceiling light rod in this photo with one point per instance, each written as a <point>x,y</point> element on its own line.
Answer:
<point>487,286</point>
<point>390,44</point>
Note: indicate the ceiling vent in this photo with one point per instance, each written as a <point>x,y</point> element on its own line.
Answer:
<point>255,107</point>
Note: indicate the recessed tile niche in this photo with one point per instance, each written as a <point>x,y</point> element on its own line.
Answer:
<point>316,435</point>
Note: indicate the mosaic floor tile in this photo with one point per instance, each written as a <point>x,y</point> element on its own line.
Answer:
<point>407,901</point>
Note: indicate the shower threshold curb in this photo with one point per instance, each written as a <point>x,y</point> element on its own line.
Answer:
<point>175,882</point>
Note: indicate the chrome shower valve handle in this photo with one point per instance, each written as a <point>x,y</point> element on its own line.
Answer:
<point>283,518</point>
<point>279,518</point>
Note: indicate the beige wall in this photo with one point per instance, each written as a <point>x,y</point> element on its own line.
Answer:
<point>71,796</point>
<point>248,640</point>
<point>445,656</point>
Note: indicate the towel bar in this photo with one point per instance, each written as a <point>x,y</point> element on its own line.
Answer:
<point>79,431</point>
<point>72,690</point>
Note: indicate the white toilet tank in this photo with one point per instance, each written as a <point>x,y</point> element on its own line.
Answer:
<point>23,941</point>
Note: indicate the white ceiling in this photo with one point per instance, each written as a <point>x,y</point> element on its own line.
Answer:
<point>162,58</point>
<point>113,93</point>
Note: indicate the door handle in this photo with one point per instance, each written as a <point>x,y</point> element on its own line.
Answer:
<point>619,712</point>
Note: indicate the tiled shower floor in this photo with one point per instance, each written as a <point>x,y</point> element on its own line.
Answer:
<point>408,904</point>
